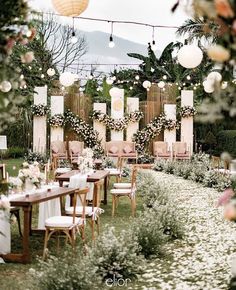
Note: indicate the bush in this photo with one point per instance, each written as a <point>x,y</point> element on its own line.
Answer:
<point>148,230</point>
<point>226,141</point>
<point>150,190</point>
<point>14,152</point>
<point>171,223</point>
<point>115,256</point>
<point>41,158</point>
<point>145,158</point>
<point>63,273</point>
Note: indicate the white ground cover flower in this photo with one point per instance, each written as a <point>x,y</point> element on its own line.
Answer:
<point>201,259</point>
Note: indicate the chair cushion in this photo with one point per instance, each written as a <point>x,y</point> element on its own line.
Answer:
<point>113,171</point>
<point>122,185</point>
<point>121,191</point>
<point>163,154</point>
<point>127,149</point>
<point>62,221</point>
<point>113,149</point>
<point>131,154</point>
<point>88,210</point>
<point>182,154</point>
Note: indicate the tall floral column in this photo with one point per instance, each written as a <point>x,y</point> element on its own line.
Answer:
<point>132,106</point>
<point>170,125</point>
<point>98,126</point>
<point>57,120</point>
<point>187,118</point>
<point>39,111</point>
<point>117,111</point>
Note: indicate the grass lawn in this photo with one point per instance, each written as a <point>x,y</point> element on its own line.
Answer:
<point>13,165</point>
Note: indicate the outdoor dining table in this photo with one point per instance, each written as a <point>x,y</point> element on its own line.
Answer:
<point>94,177</point>
<point>26,201</point>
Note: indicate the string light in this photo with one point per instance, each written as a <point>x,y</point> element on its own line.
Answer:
<point>153,46</point>
<point>73,39</point>
<point>111,42</point>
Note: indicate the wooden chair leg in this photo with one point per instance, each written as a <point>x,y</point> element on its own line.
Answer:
<point>113,205</point>
<point>133,206</point>
<point>45,244</point>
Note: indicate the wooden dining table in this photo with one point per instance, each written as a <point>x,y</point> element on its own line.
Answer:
<point>94,177</point>
<point>26,202</point>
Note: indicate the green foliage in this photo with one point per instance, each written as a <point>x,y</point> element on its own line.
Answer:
<point>115,255</point>
<point>198,170</point>
<point>63,273</point>
<point>148,230</point>
<point>14,152</point>
<point>226,141</point>
<point>41,158</point>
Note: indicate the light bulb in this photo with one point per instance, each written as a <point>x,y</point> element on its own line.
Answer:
<point>188,78</point>
<point>164,77</point>
<point>73,39</point>
<point>111,42</point>
<point>137,77</point>
<point>154,47</point>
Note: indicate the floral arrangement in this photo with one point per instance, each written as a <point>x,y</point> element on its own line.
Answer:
<point>40,110</point>
<point>56,120</point>
<point>117,124</point>
<point>144,136</point>
<point>31,157</point>
<point>187,111</point>
<point>85,161</point>
<point>170,124</point>
<point>30,173</point>
<point>86,132</point>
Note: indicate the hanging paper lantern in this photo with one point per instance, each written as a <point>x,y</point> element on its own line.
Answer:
<point>5,86</point>
<point>51,72</point>
<point>190,56</point>
<point>109,81</point>
<point>67,79</point>
<point>70,7</point>
<point>147,84</point>
<point>161,84</point>
<point>214,76</point>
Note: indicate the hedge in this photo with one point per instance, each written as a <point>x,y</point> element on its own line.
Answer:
<point>226,141</point>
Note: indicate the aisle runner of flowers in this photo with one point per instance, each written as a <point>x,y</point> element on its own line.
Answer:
<point>201,259</point>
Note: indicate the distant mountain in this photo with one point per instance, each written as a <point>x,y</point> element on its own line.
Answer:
<point>100,52</point>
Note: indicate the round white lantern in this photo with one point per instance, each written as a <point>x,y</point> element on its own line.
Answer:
<point>67,79</point>
<point>147,84</point>
<point>161,84</point>
<point>109,81</point>
<point>214,76</point>
<point>5,86</point>
<point>190,56</point>
<point>116,92</point>
<point>51,72</point>
<point>70,7</point>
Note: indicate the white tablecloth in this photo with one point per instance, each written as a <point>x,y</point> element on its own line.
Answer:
<point>49,208</point>
<point>80,181</point>
<point>5,233</point>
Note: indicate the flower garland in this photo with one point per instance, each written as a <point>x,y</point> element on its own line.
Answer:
<point>170,124</point>
<point>40,110</point>
<point>57,120</point>
<point>187,111</point>
<point>88,134</point>
<point>143,137</point>
<point>117,124</point>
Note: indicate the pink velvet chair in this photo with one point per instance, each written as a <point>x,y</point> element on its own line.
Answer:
<point>160,150</point>
<point>75,149</point>
<point>180,151</point>
<point>58,151</point>
<point>122,149</point>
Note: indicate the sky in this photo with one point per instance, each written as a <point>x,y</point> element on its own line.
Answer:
<point>155,12</point>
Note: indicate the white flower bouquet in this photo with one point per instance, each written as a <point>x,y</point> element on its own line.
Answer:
<point>30,173</point>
